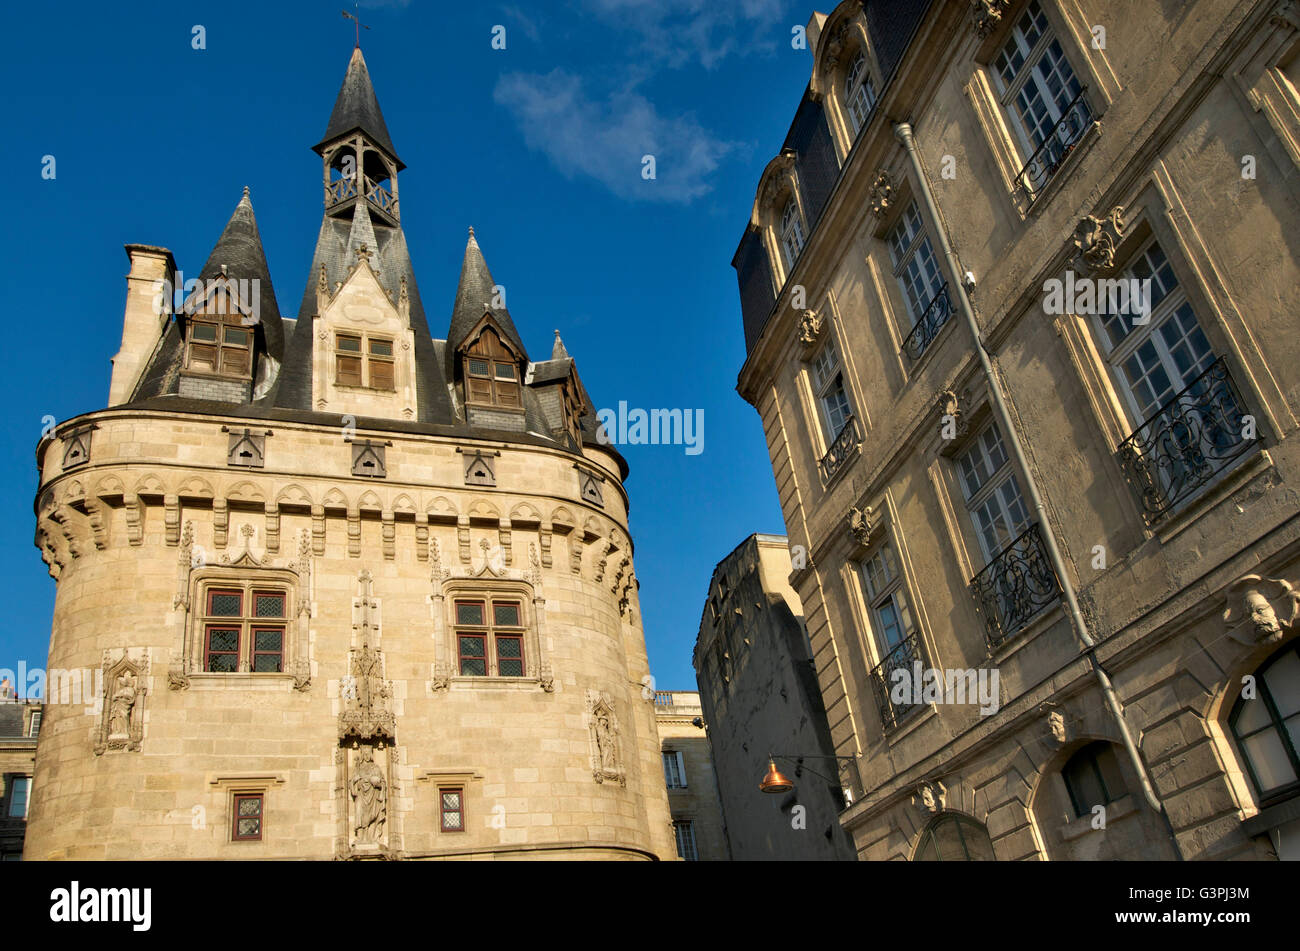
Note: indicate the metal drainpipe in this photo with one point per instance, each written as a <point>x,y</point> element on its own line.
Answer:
<point>903,131</point>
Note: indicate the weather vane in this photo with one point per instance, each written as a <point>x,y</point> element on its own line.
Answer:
<point>356,18</point>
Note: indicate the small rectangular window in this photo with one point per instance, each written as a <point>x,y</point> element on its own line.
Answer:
<point>451,808</point>
<point>480,368</point>
<point>685,834</point>
<point>225,603</point>
<point>381,348</point>
<point>247,817</point>
<point>204,333</point>
<point>349,343</point>
<point>20,788</point>
<point>510,656</point>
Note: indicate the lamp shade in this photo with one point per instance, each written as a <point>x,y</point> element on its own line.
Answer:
<point>775,781</point>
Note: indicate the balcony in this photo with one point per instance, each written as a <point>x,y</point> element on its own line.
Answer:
<point>845,444</point>
<point>928,326</point>
<point>901,657</point>
<point>1057,146</point>
<point>1188,442</point>
<point>343,189</point>
<point>1014,587</point>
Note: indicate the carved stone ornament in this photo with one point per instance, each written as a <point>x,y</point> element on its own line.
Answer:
<point>1097,239</point>
<point>1261,611</point>
<point>987,15</point>
<point>862,523</point>
<point>602,725</point>
<point>369,791</point>
<point>1057,727</point>
<point>835,46</point>
<point>546,678</point>
<point>810,328</point>
<point>1286,15</point>
<point>781,177</point>
<point>954,414</point>
<point>121,726</point>
<point>930,797</point>
<point>881,197</point>
<point>367,696</point>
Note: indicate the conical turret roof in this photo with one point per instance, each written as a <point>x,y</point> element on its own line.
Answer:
<point>474,297</point>
<point>358,108</point>
<point>239,251</point>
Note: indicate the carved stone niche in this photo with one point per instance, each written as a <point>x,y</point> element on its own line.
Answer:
<point>1261,611</point>
<point>1098,238</point>
<point>987,16</point>
<point>811,325</point>
<point>930,798</point>
<point>121,724</point>
<point>602,726</point>
<point>367,789</point>
<point>881,197</point>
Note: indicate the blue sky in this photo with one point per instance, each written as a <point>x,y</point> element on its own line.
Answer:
<point>538,146</point>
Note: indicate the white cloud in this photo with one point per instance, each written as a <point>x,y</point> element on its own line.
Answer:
<point>678,31</point>
<point>606,139</point>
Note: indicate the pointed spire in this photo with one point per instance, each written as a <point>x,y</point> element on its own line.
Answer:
<point>557,351</point>
<point>239,256</point>
<point>474,298</point>
<point>358,108</point>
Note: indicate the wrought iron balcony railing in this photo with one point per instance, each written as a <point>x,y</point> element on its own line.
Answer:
<point>845,444</point>
<point>1060,142</point>
<point>1015,586</point>
<point>927,328</point>
<point>1189,441</point>
<point>901,657</point>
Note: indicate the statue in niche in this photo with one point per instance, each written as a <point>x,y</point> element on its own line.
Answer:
<point>369,796</point>
<point>122,704</point>
<point>606,744</point>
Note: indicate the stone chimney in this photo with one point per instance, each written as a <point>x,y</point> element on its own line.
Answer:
<point>148,308</point>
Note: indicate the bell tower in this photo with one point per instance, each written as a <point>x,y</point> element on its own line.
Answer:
<point>360,163</point>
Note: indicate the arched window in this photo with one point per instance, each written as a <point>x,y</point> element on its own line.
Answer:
<point>1092,778</point>
<point>1267,727</point>
<point>859,93</point>
<point>792,236</point>
<point>953,837</point>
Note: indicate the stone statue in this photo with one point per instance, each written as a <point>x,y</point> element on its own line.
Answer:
<point>605,742</point>
<point>369,795</point>
<point>122,704</point>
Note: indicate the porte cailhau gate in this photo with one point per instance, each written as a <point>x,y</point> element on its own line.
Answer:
<point>354,590</point>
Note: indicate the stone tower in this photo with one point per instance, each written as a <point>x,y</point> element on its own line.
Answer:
<point>330,587</point>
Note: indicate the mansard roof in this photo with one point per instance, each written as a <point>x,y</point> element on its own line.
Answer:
<point>357,107</point>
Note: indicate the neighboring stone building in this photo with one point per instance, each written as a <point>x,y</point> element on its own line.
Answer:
<point>688,771</point>
<point>760,697</point>
<point>1086,512</point>
<point>20,725</point>
<point>354,590</point>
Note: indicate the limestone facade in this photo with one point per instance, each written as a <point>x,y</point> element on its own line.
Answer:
<point>688,771</point>
<point>1060,145</point>
<point>326,614</point>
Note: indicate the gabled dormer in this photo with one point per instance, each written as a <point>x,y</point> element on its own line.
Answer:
<point>491,369</point>
<point>560,393</point>
<point>363,347</point>
<point>229,325</point>
<point>485,359</point>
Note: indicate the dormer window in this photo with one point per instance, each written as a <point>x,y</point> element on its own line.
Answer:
<point>792,236</point>
<point>491,373</point>
<point>219,348</point>
<point>363,360</point>
<point>859,93</point>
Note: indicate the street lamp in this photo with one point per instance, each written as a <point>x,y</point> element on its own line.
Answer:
<point>775,781</point>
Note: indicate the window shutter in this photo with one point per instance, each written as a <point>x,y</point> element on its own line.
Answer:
<point>349,370</point>
<point>480,391</point>
<point>681,769</point>
<point>507,393</point>
<point>381,374</point>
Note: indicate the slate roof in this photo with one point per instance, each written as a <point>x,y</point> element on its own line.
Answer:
<point>473,300</point>
<point>290,341</point>
<point>11,719</point>
<point>357,108</point>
